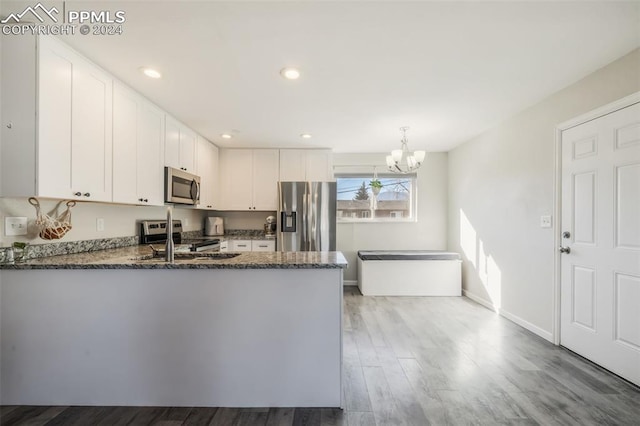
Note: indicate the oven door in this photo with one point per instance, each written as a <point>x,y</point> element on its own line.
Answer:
<point>181,187</point>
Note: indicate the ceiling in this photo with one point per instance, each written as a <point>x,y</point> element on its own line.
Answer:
<point>448,70</point>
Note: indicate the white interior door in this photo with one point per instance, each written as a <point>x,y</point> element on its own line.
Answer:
<point>600,276</point>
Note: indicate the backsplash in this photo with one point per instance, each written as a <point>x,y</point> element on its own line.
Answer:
<point>256,233</point>
<point>72,247</point>
<point>82,246</point>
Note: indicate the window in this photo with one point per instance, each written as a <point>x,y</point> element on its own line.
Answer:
<point>358,201</point>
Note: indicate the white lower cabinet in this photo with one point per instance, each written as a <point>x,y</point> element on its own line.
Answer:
<point>241,245</point>
<point>263,245</point>
<point>248,245</point>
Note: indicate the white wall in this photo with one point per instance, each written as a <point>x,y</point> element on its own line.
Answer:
<point>120,220</point>
<point>501,182</point>
<point>428,233</point>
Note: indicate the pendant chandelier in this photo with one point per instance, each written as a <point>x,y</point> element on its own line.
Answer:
<point>402,161</point>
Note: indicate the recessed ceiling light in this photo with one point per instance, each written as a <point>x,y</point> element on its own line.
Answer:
<point>305,136</point>
<point>226,136</point>
<point>150,72</point>
<point>290,73</point>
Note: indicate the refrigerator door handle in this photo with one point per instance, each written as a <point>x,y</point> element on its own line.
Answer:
<point>306,235</point>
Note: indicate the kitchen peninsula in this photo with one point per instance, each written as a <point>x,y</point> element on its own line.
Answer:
<point>114,327</point>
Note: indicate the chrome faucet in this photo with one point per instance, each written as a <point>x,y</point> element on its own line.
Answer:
<point>169,248</point>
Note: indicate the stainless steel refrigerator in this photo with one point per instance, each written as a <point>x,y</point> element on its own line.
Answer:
<point>307,216</point>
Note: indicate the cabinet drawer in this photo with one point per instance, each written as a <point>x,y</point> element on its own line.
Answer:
<point>241,245</point>
<point>224,246</point>
<point>262,245</point>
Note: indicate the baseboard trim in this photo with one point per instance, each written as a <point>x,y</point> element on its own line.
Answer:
<point>349,282</point>
<point>511,317</point>
<point>479,300</point>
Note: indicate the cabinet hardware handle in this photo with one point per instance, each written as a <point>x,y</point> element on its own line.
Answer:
<point>140,199</point>
<point>146,200</point>
<point>87,194</point>
<point>77,194</point>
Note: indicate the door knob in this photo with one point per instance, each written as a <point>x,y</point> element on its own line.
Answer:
<point>566,250</point>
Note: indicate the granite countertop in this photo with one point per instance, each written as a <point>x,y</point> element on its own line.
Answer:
<point>246,237</point>
<point>138,257</point>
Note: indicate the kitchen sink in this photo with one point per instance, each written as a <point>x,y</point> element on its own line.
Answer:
<point>189,256</point>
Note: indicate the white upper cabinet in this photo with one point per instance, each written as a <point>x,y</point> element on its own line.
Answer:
<point>91,127</point>
<point>138,134</point>
<point>265,179</point>
<point>69,101</point>
<point>55,81</point>
<point>207,169</point>
<point>126,106</point>
<point>249,179</point>
<point>236,171</point>
<point>180,146</point>
<point>293,165</point>
<point>312,165</point>
<point>150,169</point>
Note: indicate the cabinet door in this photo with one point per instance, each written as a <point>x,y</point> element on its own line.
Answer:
<point>207,168</point>
<point>91,132</point>
<point>149,167</point>
<point>172,143</point>
<point>237,179</point>
<point>241,245</point>
<point>187,150</point>
<point>319,165</point>
<point>263,245</point>
<point>292,165</point>
<point>126,106</point>
<point>215,178</point>
<point>54,129</point>
<point>265,179</point>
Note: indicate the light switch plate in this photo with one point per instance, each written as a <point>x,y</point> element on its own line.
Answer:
<point>15,226</point>
<point>545,221</point>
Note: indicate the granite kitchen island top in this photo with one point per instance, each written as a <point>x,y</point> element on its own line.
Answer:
<point>139,257</point>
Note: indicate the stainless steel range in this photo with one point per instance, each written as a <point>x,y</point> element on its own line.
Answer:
<point>155,232</point>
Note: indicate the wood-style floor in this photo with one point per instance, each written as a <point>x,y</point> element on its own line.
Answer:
<point>417,361</point>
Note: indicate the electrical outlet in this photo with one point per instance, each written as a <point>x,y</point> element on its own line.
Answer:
<point>15,226</point>
<point>100,224</point>
<point>185,222</point>
<point>545,221</point>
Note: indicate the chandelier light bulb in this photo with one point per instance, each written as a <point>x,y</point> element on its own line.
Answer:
<point>419,155</point>
<point>390,162</point>
<point>396,154</point>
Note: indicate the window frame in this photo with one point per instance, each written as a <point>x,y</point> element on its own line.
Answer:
<point>367,176</point>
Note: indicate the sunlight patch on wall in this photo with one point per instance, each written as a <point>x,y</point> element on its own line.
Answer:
<point>484,264</point>
<point>468,238</point>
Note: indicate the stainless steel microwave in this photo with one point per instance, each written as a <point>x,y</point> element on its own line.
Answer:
<point>181,187</point>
